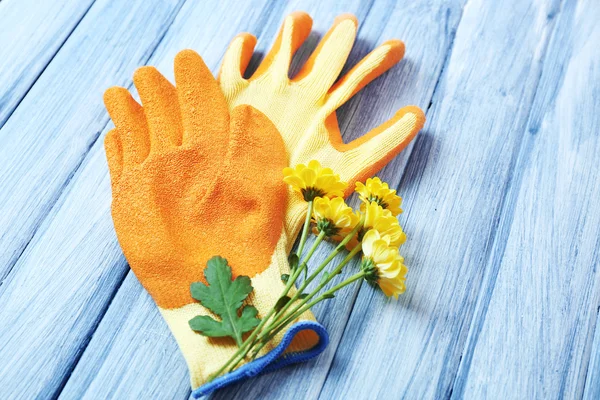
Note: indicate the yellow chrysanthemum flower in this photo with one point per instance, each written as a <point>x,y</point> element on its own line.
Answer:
<point>379,192</point>
<point>334,216</point>
<point>396,285</point>
<point>383,264</point>
<point>384,222</point>
<point>314,181</point>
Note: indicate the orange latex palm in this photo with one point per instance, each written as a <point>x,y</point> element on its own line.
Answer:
<point>190,181</point>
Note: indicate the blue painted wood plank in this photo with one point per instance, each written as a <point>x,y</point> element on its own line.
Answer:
<point>532,337</point>
<point>62,115</point>
<point>31,32</point>
<point>592,384</point>
<point>119,365</point>
<point>453,189</point>
<point>42,144</point>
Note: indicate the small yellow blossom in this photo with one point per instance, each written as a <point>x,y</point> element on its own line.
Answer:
<point>334,216</point>
<point>377,191</point>
<point>383,264</point>
<point>314,181</point>
<point>384,222</point>
<point>397,285</point>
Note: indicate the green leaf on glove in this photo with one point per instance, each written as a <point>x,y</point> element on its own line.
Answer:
<point>223,297</point>
<point>293,261</point>
<point>281,302</point>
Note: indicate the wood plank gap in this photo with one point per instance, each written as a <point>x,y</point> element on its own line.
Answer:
<point>65,185</point>
<point>592,372</point>
<point>16,105</point>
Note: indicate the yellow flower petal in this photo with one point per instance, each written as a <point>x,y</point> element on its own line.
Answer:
<point>334,216</point>
<point>314,181</point>
<point>374,190</point>
<point>383,264</point>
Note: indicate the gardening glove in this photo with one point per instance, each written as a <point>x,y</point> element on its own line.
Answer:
<point>303,108</point>
<point>192,180</point>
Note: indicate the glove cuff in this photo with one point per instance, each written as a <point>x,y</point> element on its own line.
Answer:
<point>279,357</point>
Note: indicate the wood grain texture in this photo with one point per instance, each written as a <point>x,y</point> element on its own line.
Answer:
<point>47,311</point>
<point>31,32</point>
<point>47,136</point>
<point>454,186</point>
<point>534,328</point>
<point>501,196</point>
<point>592,384</point>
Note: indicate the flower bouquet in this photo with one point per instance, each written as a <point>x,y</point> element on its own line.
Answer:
<point>372,231</point>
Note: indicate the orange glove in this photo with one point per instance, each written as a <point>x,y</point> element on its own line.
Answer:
<point>191,181</point>
<point>303,108</point>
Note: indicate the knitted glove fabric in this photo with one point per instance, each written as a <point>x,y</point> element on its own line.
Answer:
<point>192,180</point>
<point>303,108</point>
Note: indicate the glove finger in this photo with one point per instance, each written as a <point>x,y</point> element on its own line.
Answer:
<point>161,107</point>
<point>114,155</point>
<point>130,121</point>
<point>372,66</point>
<point>327,61</point>
<point>235,61</point>
<point>365,156</point>
<point>204,110</point>
<point>293,32</point>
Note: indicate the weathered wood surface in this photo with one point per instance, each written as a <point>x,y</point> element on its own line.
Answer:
<point>31,32</point>
<point>47,311</point>
<point>541,293</point>
<point>501,196</point>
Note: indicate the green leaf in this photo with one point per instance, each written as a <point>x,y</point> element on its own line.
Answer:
<point>303,296</point>
<point>324,276</point>
<point>294,261</point>
<point>282,302</point>
<point>285,278</point>
<point>223,297</point>
<point>328,296</point>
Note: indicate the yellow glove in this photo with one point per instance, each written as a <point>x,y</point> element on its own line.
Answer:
<point>303,108</point>
<point>190,181</point>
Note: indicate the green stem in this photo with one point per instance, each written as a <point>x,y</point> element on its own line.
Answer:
<point>312,249</point>
<point>279,320</point>
<point>305,229</point>
<point>321,285</point>
<point>292,280</point>
<point>320,268</point>
<point>249,342</point>
<point>326,295</point>
<point>243,349</point>
<point>261,331</point>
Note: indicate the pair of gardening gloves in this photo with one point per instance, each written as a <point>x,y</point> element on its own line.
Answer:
<point>196,172</point>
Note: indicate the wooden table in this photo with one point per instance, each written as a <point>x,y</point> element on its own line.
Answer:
<point>501,197</point>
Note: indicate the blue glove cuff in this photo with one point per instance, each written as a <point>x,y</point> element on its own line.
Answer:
<point>273,360</point>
